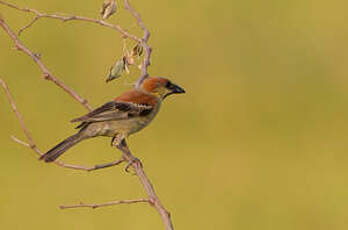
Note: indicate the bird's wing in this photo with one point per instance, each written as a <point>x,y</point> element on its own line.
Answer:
<point>115,110</point>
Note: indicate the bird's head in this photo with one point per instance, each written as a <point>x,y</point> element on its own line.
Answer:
<point>160,87</point>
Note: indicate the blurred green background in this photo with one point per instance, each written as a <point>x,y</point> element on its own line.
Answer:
<point>259,141</point>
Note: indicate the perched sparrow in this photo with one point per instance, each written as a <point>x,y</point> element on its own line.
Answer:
<point>125,115</point>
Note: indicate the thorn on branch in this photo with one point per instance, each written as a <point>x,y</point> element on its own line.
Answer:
<point>84,102</point>
<point>17,47</point>
<point>152,201</point>
<point>37,55</point>
<point>46,76</point>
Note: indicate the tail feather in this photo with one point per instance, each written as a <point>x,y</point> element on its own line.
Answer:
<point>63,146</point>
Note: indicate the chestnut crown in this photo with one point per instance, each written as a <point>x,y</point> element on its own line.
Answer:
<point>160,87</point>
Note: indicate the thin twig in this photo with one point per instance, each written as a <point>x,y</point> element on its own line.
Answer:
<point>94,206</point>
<point>88,169</point>
<point>127,155</point>
<point>32,144</point>
<point>149,189</point>
<point>28,25</point>
<point>66,18</point>
<point>18,114</point>
<point>46,73</point>
<point>144,42</point>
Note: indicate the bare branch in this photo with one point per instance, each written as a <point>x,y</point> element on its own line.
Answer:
<point>145,181</point>
<point>70,166</point>
<point>144,41</point>
<point>15,139</point>
<point>18,114</point>
<point>83,205</point>
<point>139,20</point>
<point>28,25</point>
<point>32,144</point>
<point>66,18</point>
<point>127,155</point>
<point>89,169</point>
<point>46,73</point>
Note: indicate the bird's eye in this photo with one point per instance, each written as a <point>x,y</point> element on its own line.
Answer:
<point>169,85</point>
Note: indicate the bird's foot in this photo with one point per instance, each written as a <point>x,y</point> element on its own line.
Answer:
<point>133,160</point>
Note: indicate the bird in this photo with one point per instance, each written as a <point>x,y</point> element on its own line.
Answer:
<point>119,118</point>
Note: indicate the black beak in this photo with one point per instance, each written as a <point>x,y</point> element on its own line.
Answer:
<point>177,89</point>
<point>174,89</point>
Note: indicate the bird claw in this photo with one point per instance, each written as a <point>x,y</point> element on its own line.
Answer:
<point>133,160</point>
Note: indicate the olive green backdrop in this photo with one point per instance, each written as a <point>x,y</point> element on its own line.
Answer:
<point>259,141</point>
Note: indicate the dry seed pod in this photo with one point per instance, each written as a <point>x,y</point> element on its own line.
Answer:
<point>137,50</point>
<point>116,71</point>
<point>130,60</point>
<point>109,7</point>
<point>106,3</point>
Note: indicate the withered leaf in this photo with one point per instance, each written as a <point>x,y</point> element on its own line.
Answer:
<point>116,71</point>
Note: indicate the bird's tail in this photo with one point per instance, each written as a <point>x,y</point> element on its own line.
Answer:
<point>63,146</point>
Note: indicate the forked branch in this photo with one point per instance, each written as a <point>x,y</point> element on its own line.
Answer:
<point>31,144</point>
<point>46,73</point>
<point>66,18</point>
<point>143,41</point>
<point>152,198</point>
